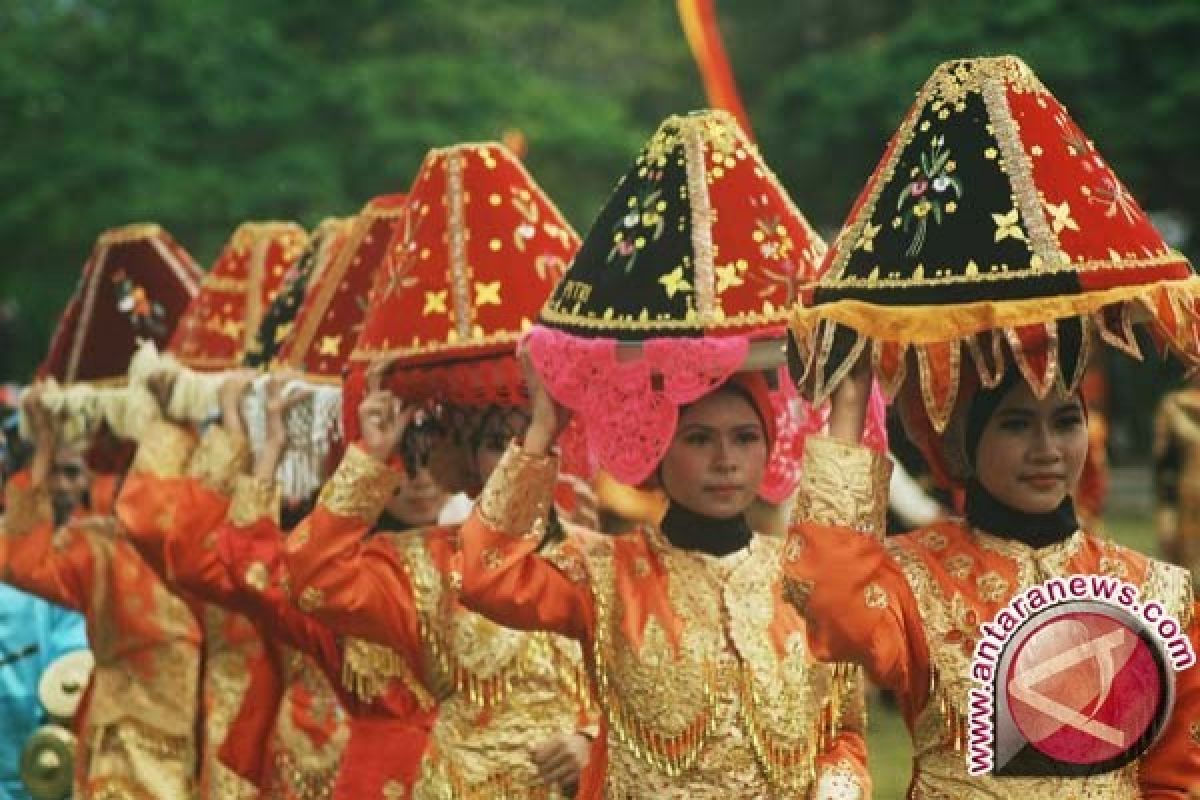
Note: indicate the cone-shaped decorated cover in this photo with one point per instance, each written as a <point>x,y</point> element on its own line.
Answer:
<point>331,317</point>
<point>222,321</point>
<point>135,285</point>
<point>324,244</point>
<point>477,252</point>
<point>698,252</point>
<point>697,238</point>
<point>991,229</point>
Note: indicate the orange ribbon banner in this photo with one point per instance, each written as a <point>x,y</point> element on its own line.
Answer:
<point>699,18</point>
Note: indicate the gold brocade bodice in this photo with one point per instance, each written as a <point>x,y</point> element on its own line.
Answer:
<point>951,620</point>
<point>723,712</point>
<point>230,641</point>
<point>503,692</point>
<point>145,639</point>
<point>310,732</point>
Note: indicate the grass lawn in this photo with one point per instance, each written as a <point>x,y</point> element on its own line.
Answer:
<point>890,751</point>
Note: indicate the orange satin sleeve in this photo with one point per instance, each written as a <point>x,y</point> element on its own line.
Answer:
<point>1171,769</point>
<point>59,566</point>
<point>252,555</point>
<point>190,550</point>
<point>150,507</point>
<point>505,579</point>
<point>505,576</point>
<point>858,606</point>
<point>355,586</point>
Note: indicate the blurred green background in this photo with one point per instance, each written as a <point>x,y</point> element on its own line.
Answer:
<point>200,115</point>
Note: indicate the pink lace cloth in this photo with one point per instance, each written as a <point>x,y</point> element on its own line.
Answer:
<point>625,411</point>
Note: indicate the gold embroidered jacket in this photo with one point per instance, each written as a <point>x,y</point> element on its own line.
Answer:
<point>701,669</point>
<point>138,733</point>
<point>154,501</point>
<point>272,723</point>
<point>909,609</point>
<point>501,693</point>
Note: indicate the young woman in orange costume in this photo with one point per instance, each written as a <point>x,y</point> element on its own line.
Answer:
<point>988,252</point>
<point>700,667</point>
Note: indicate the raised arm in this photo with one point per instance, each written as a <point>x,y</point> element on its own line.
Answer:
<point>250,544</point>
<point>356,586</point>
<point>854,597</point>
<point>59,566</point>
<point>506,576</point>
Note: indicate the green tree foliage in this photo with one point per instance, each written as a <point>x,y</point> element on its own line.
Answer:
<point>200,115</point>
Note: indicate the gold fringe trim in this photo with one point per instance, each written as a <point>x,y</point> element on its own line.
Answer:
<point>368,668</point>
<point>938,337</point>
<point>936,323</point>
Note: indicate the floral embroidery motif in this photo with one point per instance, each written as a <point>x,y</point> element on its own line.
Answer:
<point>933,540</point>
<point>1008,225</point>
<point>779,267</point>
<point>674,281</point>
<point>643,222</point>
<point>965,625</point>
<point>1114,197</point>
<point>959,566</point>
<point>1194,730</point>
<point>491,558</point>
<point>145,314</point>
<point>992,587</point>
<point>310,599</point>
<point>1112,567</point>
<point>875,596</point>
<point>256,576</point>
<point>398,269</point>
<point>933,190</point>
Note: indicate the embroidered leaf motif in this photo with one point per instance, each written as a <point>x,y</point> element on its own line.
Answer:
<point>642,223</point>
<point>933,191</point>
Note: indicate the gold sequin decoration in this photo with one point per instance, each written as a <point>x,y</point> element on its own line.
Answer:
<point>360,487</point>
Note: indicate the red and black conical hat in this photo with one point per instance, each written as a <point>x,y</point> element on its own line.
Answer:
<point>992,229</point>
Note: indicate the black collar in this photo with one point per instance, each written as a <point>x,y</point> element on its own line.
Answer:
<point>988,514</point>
<point>688,530</point>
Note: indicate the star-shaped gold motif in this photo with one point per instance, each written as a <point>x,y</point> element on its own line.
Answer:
<point>728,276</point>
<point>487,293</point>
<point>232,328</point>
<point>1008,225</point>
<point>1060,216</point>
<point>435,302</point>
<point>330,345</point>
<point>867,240</point>
<point>674,282</point>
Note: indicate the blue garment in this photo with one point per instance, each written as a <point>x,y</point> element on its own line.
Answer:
<point>33,634</point>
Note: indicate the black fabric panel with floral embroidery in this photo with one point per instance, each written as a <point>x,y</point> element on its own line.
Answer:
<point>277,322</point>
<point>636,264</point>
<point>947,212</point>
